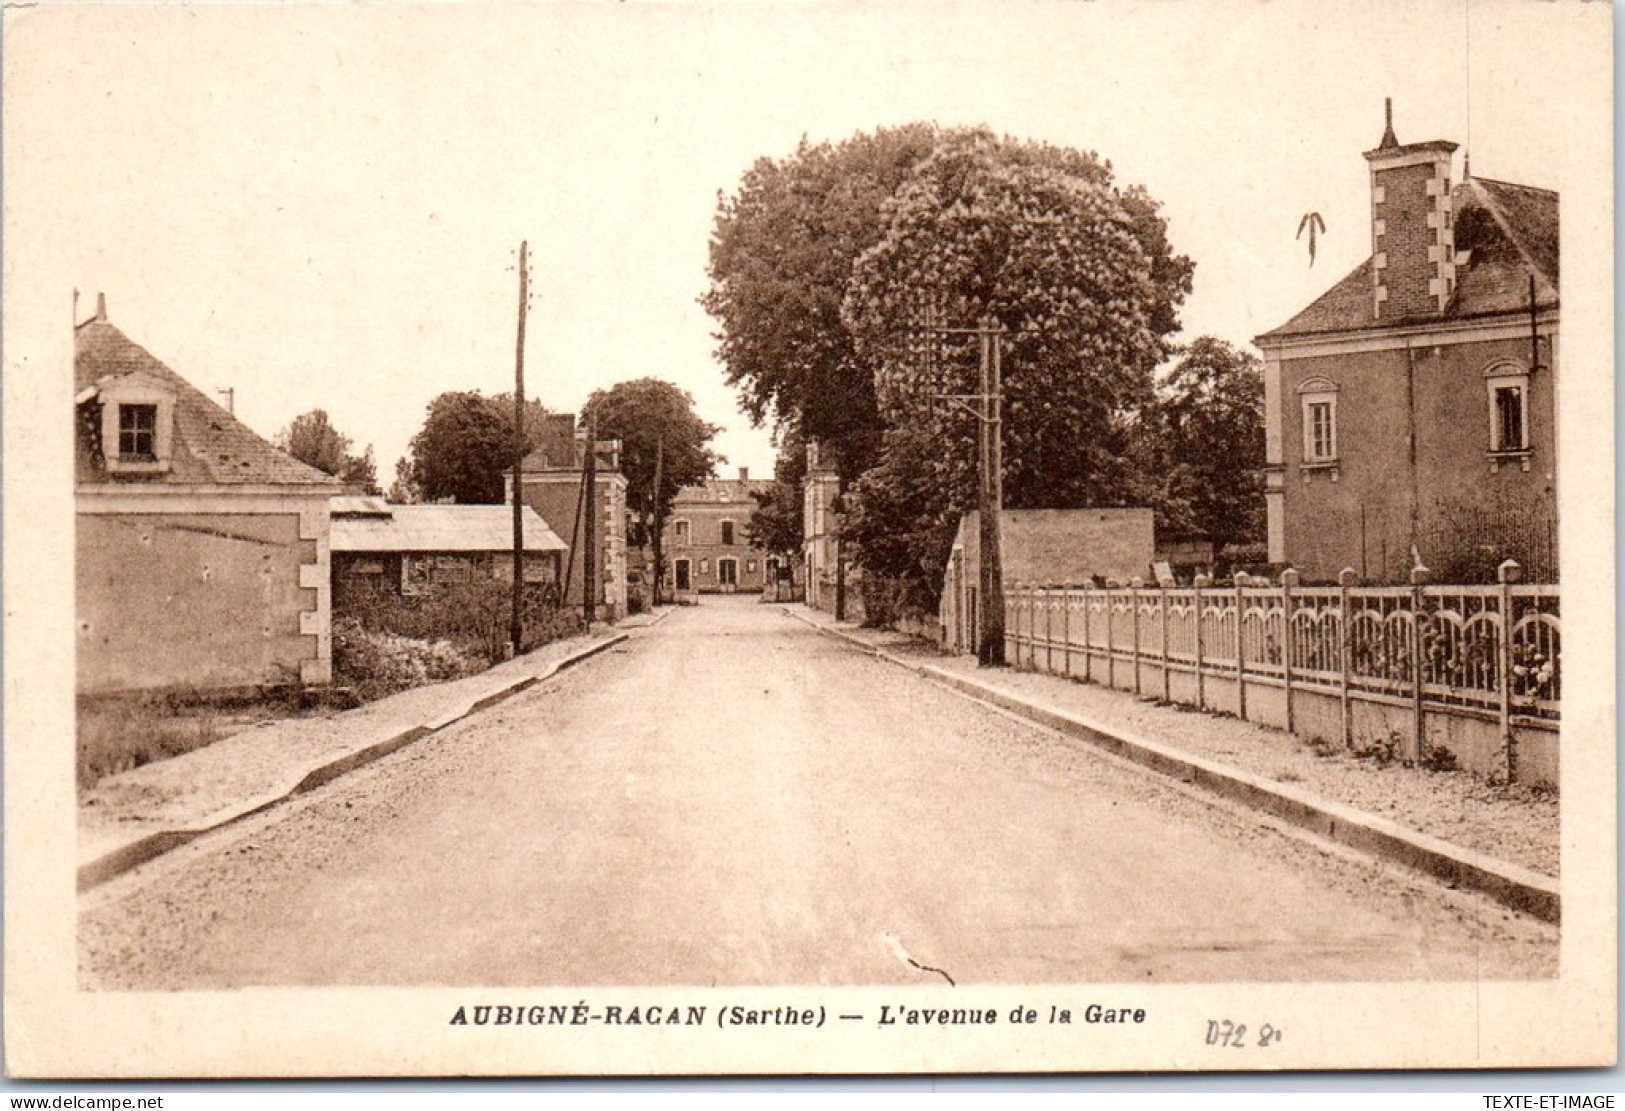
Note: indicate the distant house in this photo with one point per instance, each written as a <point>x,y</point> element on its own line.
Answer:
<point>1045,547</point>
<point>554,486</point>
<point>406,550</point>
<point>201,558</point>
<point>706,543</point>
<point>1411,409</point>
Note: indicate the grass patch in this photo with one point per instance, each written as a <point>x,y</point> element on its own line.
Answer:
<point>116,733</point>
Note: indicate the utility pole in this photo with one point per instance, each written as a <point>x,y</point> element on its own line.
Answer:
<point>657,540</point>
<point>591,583</point>
<point>516,621</point>
<point>985,406</point>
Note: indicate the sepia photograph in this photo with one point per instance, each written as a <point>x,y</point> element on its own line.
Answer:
<point>714,539</point>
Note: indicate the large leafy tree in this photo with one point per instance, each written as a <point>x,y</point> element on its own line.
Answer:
<point>781,258</point>
<point>1202,444</point>
<point>1038,242</point>
<point>311,438</point>
<point>658,429</point>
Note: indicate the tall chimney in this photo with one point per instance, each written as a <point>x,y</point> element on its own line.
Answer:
<point>101,307</point>
<point>744,474</point>
<point>1413,241</point>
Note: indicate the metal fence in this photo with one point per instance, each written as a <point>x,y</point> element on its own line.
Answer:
<point>1482,650</point>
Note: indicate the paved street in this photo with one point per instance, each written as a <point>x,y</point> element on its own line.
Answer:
<point>731,798</point>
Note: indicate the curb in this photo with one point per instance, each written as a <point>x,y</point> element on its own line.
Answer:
<point>1519,888</point>
<point>122,859</point>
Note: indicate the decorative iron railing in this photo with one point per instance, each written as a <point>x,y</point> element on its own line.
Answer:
<point>1494,650</point>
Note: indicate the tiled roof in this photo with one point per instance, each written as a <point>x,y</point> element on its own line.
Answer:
<point>209,447</point>
<point>1503,233</point>
<point>722,491</point>
<point>359,527</point>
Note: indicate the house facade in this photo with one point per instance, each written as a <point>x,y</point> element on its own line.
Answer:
<point>202,551</point>
<point>1411,409</point>
<point>403,551</point>
<point>706,544</point>
<point>819,550</point>
<point>1048,547</point>
<point>554,485</point>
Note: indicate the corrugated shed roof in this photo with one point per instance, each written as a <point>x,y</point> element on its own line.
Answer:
<point>1503,233</point>
<point>440,528</point>
<point>209,446</point>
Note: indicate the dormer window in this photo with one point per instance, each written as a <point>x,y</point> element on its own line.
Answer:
<point>137,427</point>
<point>138,433</point>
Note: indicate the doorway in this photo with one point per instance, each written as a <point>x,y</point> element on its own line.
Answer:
<point>680,567</point>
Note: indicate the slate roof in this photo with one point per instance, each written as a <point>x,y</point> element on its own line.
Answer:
<point>371,525</point>
<point>721,491</point>
<point>1504,233</point>
<point>209,446</point>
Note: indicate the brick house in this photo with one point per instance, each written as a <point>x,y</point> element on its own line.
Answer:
<point>407,550</point>
<point>1411,409</point>
<point>706,542</point>
<point>554,484</point>
<point>201,554</point>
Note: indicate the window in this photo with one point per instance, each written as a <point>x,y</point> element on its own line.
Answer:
<point>138,432</point>
<point>137,421</point>
<point>727,533</point>
<point>679,532</point>
<point>1508,386</point>
<point>1319,421</point>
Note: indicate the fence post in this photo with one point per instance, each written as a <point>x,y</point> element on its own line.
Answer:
<point>1197,584</point>
<point>1419,577</point>
<point>1289,579</point>
<point>1241,581</point>
<point>1162,611</point>
<point>1345,579</point>
<point>1088,644</point>
<point>1135,584</point>
<point>1066,629</point>
<point>1049,632</point>
<point>1111,642</point>
<point>1507,574</point>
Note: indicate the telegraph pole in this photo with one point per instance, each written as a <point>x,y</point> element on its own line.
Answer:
<point>516,621</point>
<point>657,539</point>
<point>591,583</point>
<point>985,406</point>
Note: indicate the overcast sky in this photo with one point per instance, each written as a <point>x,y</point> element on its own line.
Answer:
<point>321,206</point>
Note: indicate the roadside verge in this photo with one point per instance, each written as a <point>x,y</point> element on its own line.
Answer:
<point>188,811</point>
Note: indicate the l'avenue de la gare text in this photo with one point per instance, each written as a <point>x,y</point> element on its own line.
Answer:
<point>584,1013</point>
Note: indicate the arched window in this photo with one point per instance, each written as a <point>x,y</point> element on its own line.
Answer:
<point>1319,397</point>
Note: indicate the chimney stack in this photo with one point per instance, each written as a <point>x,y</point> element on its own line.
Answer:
<point>744,474</point>
<point>1413,242</point>
<point>101,307</point>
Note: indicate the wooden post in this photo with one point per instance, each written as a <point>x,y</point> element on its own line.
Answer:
<point>1049,631</point>
<point>1345,579</point>
<point>1289,579</point>
<point>1507,574</point>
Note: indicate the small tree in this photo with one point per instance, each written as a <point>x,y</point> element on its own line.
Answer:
<point>658,429</point>
<point>463,450</point>
<point>311,438</point>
